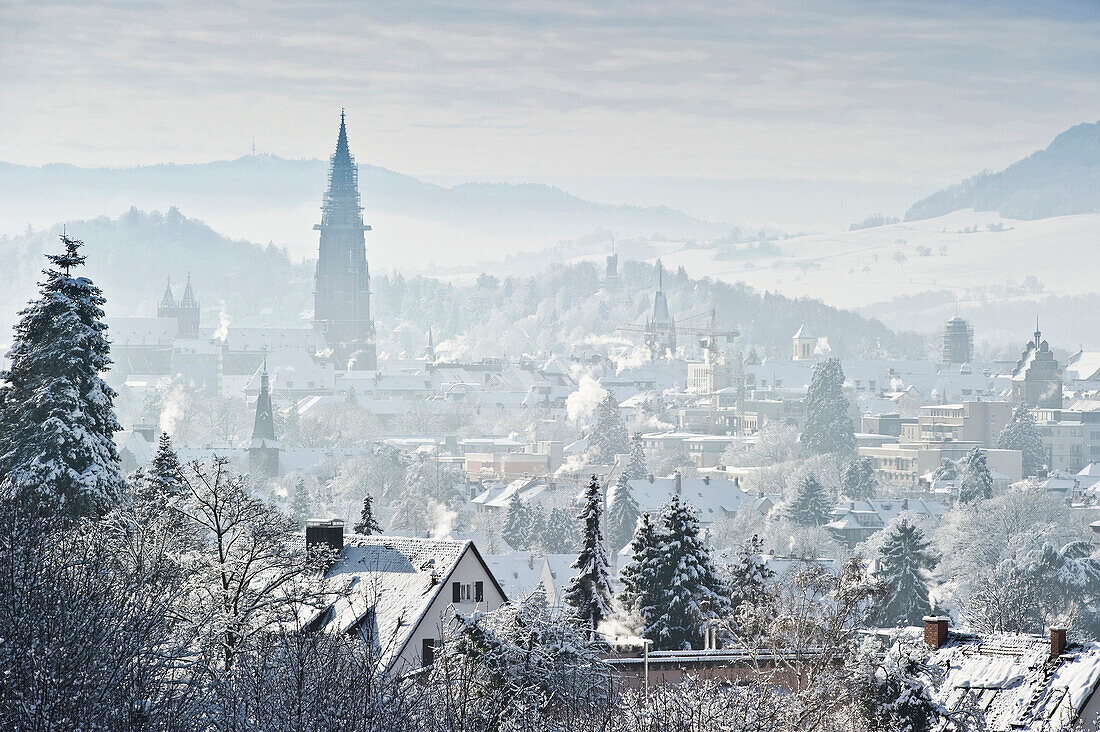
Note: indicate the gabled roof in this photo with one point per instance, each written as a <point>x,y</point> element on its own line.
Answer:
<point>711,501</point>
<point>398,578</point>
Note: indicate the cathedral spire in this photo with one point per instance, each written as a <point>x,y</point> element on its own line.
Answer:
<point>188,300</point>
<point>263,429</point>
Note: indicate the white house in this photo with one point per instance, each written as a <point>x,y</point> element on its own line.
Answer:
<point>401,592</point>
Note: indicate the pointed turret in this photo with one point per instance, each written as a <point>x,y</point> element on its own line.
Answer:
<point>429,351</point>
<point>187,312</point>
<point>263,451</point>
<point>661,328</point>
<point>188,300</point>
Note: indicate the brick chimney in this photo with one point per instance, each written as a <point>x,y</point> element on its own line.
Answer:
<point>1057,642</point>
<point>935,631</point>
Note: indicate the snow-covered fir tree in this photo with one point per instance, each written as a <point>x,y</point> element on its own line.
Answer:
<point>163,479</point>
<point>1022,434</point>
<point>560,534</point>
<point>608,437</point>
<point>589,591</point>
<point>828,424</point>
<point>977,481</point>
<point>622,514</point>
<point>299,503</point>
<point>905,563</point>
<point>57,422</point>
<point>858,482</point>
<point>517,524</point>
<point>638,576</point>
<point>538,519</point>
<point>748,574</point>
<point>811,504</point>
<point>691,590</point>
<point>636,468</point>
<point>367,525</point>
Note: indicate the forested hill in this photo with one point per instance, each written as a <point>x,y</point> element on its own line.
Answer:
<point>557,308</point>
<point>1062,179</point>
<point>566,306</point>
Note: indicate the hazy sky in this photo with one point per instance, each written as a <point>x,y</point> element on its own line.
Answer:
<point>864,91</point>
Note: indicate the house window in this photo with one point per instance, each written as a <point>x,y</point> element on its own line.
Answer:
<point>427,652</point>
<point>467,591</point>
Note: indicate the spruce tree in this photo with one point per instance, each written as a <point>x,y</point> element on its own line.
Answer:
<point>640,588</point>
<point>164,479</point>
<point>517,524</point>
<point>368,525</point>
<point>1021,434</point>
<point>57,422</point>
<point>636,469</point>
<point>828,425</point>
<point>859,482</point>
<point>299,503</point>
<point>749,574</point>
<point>560,534</point>
<point>977,481</point>
<point>608,437</point>
<point>537,522</point>
<point>589,592</point>
<point>622,514</point>
<point>811,504</point>
<point>906,560</point>
<point>692,591</point>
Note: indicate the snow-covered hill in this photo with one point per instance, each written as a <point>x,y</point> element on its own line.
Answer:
<point>974,254</point>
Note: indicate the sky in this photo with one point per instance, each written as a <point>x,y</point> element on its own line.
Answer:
<point>905,93</point>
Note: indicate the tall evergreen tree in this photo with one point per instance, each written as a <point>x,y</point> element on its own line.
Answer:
<point>639,580</point>
<point>608,437</point>
<point>906,562</point>
<point>517,524</point>
<point>692,591</point>
<point>749,574</point>
<point>368,525</point>
<point>589,592</point>
<point>622,514</point>
<point>537,520</point>
<point>811,504</point>
<point>299,503</point>
<point>828,425</point>
<point>1022,434</point>
<point>977,481</point>
<point>164,479</point>
<point>57,421</point>
<point>636,469</point>
<point>859,482</point>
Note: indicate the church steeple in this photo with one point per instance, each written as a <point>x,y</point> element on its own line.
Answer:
<point>188,300</point>
<point>342,293</point>
<point>263,451</point>
<point>429,351</point>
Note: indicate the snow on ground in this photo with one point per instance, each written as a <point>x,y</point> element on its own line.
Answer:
<point>958,251</point>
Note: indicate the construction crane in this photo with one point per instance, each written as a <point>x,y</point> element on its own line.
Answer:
<point>710,340</point>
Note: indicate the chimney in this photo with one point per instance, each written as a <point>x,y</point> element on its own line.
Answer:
<point>935,631</point>
<point>679,481</point>
<point>1057,642</point>
<point>706,479</point>
<point>328,534</point>
<point>905,504</point>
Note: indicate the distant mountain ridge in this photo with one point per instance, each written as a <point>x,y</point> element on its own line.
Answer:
<point>268,182</point>
<point>1063,179</point>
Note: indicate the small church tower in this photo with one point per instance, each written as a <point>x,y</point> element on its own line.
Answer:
<point>263,451</point>
<point>660,330</point>
<point>184,311</point>
<point>804,345</point>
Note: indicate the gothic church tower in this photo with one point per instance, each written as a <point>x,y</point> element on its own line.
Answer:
<point>342,295</point>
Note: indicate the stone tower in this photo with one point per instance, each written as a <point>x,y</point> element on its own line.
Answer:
<point>1037,378</point>
<point>342,290</point>
<point>263,451</point>
<point>957,344</point>
<point>185,311</point>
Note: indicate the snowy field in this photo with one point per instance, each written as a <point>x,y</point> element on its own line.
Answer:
<point>852,269</point>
